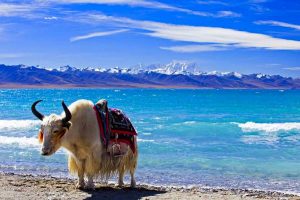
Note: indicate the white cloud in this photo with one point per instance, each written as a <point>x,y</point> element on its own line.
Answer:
<point>8,9</point>
<point>196,48</point>
<point>227,13</point>
<point>28,10</point>
<point>258,1</point>
<point>292,68</point>
<point>97,34</point>
<point>273,64</point>
<point>277,23</point>
<point>203,34</point>
<point>148,4</point>
<point>10,55</point>
<point>206,2</point>
<point>51,18</point>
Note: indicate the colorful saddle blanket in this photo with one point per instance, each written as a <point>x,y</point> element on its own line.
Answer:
<point>116,131</point>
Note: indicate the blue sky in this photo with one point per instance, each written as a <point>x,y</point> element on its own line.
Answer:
<point>246,36</point>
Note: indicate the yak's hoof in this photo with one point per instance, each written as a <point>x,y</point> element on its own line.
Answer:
<point>90,186</point>
<point>132,184</point>
<point>80,186</point>
<point>120,184</point>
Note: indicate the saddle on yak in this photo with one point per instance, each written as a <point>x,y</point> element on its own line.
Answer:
<point>116,131</point>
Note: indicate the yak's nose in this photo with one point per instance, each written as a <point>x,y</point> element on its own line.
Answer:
<point>45,152</point>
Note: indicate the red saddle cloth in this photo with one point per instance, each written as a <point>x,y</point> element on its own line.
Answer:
<point>116,131</point>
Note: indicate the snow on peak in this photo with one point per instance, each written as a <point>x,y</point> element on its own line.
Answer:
<point>175,67</point>
<point>235,74</point>
<point>238,75</point>
<point>262,76</point>
<point>216,73</point>
<point>67,68</point>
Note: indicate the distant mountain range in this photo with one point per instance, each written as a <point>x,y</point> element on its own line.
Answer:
<point>172,75</point>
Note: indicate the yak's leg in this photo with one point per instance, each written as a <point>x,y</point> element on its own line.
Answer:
<point>121,176</point>
<point>132,171</point>
<point>90,183</point>
<point>132,183</point>
<point>80,164</point>
<point>89,171</point>
<point>104,182</point>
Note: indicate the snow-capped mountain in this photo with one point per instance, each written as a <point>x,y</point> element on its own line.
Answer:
<point>67,68</point>
<point>216,73</point>
<point>174,68</point>
<point>172,75</point>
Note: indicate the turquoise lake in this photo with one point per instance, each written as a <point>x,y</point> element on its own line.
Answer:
<point>215,138</point>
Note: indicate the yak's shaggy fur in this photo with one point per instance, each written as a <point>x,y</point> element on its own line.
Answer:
<point>87,156</point>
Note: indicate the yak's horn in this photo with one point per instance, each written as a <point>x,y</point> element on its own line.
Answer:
<point>35,112</point>
<point>67,112</point>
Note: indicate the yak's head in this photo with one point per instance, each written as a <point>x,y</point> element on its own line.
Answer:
<point>53,128</point>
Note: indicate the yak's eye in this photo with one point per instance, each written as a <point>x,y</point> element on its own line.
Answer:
<point>56,131</point>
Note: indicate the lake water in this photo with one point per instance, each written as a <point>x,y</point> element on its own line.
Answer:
<point>215,138</point>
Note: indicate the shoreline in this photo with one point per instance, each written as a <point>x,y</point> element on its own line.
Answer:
<point>133,86</point>
<point>15,186</point>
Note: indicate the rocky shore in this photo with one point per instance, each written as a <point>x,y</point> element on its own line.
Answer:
<point>28,187</point>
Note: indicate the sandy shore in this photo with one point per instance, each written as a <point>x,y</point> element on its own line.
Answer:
<point>31,187</point>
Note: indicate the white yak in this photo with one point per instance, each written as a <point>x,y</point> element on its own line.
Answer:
<point>77,130</point>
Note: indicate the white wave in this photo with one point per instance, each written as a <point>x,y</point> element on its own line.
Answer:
<point>146,133</point>
<point>186,123</point>
<point>18,124</point>
<point>19,141</point>
<point>32,142</point>
<point>143,140</point>
<point>268,127</point>
<point>190,122</point>
<point>260,139</point>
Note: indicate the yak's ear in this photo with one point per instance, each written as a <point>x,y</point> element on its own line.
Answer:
<point>40,137</point>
